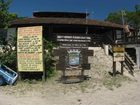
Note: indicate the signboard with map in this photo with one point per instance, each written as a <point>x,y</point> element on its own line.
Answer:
<point>29,49</point>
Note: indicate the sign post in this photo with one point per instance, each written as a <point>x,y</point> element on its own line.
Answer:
<point>30,49</point>
<point>118,56</point>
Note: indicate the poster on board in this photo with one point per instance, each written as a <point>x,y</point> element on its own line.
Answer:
<point>29,49</point>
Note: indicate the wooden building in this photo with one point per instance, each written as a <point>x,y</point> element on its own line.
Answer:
<point>75,24</point>
<point>75,30</point>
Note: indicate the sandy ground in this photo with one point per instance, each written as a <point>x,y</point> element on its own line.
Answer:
<point>90,92</point>
<point>127,94</point>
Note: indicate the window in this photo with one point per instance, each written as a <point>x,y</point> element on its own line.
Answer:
<point>118,34</point>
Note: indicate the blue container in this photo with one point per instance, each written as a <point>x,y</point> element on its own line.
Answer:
<point>1,80</point>
<point>9,76</point>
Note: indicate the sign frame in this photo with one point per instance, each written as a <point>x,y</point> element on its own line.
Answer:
<point>39,37</point>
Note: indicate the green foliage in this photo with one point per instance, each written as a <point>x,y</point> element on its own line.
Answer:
<point>114,17</point>
<point>5,16</point>
<point>137,8</point>
<point>111,82</point>
<point>48,58</point>
<point>8,54</point>
<point>9,59</point>
<point>131,17</point>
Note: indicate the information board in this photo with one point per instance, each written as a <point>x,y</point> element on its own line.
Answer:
<point>118,49</point>
<point>118,53</point>
<point>118,56</point>
<point>29,49</point>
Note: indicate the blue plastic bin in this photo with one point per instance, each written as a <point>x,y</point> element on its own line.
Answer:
<point>9,76</point>
<point>1,80</point>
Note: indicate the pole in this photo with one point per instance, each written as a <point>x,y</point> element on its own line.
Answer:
<point>121,67</point>
<point>122,13</point>
<point>86,22</point>
<point>114,68</point>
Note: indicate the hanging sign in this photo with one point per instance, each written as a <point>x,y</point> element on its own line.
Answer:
<point>29,49</point>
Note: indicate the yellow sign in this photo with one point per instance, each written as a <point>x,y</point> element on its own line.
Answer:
<point>29,49</point>
<point>118,49</point>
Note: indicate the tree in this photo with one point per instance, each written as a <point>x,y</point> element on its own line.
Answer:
<point>131,17</point>
<point>7,55</point>
<point>48,58</point>
<point>114,17</point>
<point>5,16</point>
<point>137,8</point>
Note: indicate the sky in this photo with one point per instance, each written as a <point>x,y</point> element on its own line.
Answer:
<point>98,9</point>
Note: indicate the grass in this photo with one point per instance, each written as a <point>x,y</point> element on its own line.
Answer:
<point>110,82</point>
<point>23,87</point>
<point>100,78</point>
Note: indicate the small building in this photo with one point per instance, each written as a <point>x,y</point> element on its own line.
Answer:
<point>67,23</point>
<point>76,30</point>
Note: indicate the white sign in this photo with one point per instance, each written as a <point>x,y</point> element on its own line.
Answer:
<point>118,57</point>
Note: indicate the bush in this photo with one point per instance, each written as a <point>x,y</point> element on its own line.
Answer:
<point>48,58</point>
<point>8,56</point>
<point>9,59</point>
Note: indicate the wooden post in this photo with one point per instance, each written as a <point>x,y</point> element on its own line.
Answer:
<point>114,68</point>
<point>44,76</point>
<point>64,74</point>
<point>82,72</point>
<point>121,67</point>
<point>19,76</point>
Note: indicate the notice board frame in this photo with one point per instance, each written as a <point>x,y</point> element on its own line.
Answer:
<point>42,59</point>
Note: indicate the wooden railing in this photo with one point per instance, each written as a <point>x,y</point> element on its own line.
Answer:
<point>132,40</point>
<point>129,64</point>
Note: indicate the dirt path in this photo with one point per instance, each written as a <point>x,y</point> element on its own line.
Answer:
<point>128,94</point>
<point>90,92</point>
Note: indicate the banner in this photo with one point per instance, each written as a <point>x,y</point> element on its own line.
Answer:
<point>29,49</point>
